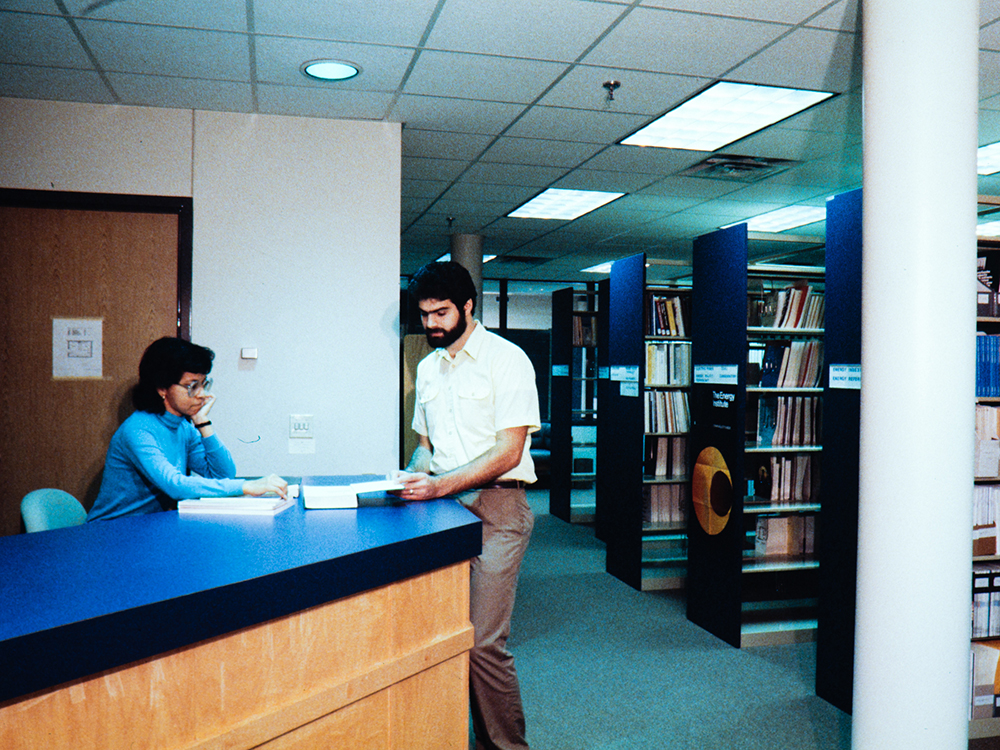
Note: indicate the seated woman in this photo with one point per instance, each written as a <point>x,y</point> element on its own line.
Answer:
<point>167,450</point>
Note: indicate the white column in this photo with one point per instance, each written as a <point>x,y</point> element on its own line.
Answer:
<point>911,680</point>
<point>467,251</point>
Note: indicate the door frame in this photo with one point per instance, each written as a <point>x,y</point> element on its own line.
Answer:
<point>147,204</point>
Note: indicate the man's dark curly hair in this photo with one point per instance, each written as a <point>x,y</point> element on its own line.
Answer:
<point>445,280</point>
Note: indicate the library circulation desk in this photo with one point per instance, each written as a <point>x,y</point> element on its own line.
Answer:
<point>319,628</point>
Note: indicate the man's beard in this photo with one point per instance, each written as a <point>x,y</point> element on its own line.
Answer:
<point>447,336</point>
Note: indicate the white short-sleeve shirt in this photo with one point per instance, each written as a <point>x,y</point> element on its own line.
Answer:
<point>462,402</point>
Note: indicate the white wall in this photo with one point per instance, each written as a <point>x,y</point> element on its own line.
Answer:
<point>296,253</point>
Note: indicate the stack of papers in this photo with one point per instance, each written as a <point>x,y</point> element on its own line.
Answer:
<point>245,505</point>
<point>342,495</point>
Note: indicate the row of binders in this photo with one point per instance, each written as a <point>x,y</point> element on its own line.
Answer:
<point>986,600</point>
<point>667,316</point>
<point>987,365</point>
<point>666,457</point>
<point>584,330</point>
<point>785,480</point>
<point>788,421</point>
<point>795,306</point>
<point>985,512</point>
<point>668,363</point>
<point>790,364</point>
<point>665,503</point>
<point>667,411</point>
<point>783,536</point>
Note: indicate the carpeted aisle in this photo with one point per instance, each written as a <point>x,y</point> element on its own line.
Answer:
<point>604,667</point>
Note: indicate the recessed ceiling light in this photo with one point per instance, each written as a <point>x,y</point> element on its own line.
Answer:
<point>988,159</point>
<point>447,257</point>
<point>330,70</point>
<point>556,203</point>
<point>723,113</point>
<point>785,218</point>
<point>599,268</point>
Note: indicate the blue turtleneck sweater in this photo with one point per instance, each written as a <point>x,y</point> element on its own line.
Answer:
<point>154,460</point>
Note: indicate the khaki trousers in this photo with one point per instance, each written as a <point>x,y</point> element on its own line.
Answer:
<point>494,692</point>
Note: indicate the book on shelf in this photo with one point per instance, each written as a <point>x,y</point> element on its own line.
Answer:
<point>242,505</point>
<point>791,479</point>
<point>584,330</point>
<point>984,667</point>
<point>797,305</point>
<point>667,411</point>
<point>985,506</point>
<point>786,421</point>
<point>668,363</point>
<point>665,503</point>
<point>667,315</point>
<point>783,536</point>
<point>666,456</point>
<point>986,289</point>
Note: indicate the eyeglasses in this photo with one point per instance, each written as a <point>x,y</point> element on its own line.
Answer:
<point>198,387</point>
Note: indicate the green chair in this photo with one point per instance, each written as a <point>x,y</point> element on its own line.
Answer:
<point>51,509</point>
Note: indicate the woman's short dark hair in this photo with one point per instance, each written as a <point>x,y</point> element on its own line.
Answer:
<point>163,364</point>
<point>443,280</point>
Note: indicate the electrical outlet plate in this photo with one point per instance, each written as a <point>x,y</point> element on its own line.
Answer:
<point>300,426</point>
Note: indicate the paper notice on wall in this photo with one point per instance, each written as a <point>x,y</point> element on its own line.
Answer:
<point>77,347</point>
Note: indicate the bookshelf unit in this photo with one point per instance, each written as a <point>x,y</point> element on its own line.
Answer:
<point>604,485</point>
<point>837,545</point>
<point>644,440</point>
<point>573,402</point>
<point>985,708</point>
<point>755,448</point>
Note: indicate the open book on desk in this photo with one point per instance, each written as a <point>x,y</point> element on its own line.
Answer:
<point>244,505</point>
<point>326,492</point>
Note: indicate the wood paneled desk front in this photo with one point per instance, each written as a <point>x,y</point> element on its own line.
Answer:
<point>334,628</point>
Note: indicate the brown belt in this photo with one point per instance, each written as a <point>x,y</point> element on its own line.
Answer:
<point>503,484</point>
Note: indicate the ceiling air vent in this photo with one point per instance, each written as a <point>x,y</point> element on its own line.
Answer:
<point>738,168</point>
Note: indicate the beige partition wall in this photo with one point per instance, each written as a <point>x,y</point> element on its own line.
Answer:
<point>386,669</point>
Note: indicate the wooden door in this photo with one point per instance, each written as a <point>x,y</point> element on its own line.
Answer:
<point>119,265</point>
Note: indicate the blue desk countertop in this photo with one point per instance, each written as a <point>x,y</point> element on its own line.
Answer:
<point>78,601</point>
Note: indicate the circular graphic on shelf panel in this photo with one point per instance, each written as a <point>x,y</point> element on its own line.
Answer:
<point>712,491</point>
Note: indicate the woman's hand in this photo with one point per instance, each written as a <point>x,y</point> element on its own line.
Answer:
<point>202,414</point>
<point>272,484</point>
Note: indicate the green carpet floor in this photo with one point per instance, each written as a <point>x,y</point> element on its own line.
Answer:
<point>605,667</point>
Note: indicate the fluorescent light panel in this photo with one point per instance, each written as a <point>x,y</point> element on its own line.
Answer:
<point>785,218</point>
<point>988,229</point>
<point>723,113</point>
<point>599,268</point>
<point>447,256</point>
<point>556,203</point>
<point>988,159</point>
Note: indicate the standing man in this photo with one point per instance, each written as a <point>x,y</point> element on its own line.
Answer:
<point>476,405</point>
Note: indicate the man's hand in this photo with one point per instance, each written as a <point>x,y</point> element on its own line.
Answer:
<point>416,485</point>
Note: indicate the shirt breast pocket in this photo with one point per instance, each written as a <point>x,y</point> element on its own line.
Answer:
<point>475,389</point>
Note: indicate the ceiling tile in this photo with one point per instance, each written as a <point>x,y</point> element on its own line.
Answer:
<point>160,50</point>
<point>498,79</point>
<point>375,21</point>
<point>279,61</point>
<point>310,102</point>
<point>422,188</point>
<point>522,27</point>
<point>433,169</point>
<point>540,151</point>
<point>437,143</point>
<point>681,43</point>
<point>658,161</point>
<point>59,84</point>
<point>640,92</point>
<point>596,179</point>
<point>39,40</point>
<point>183,93</point>
<point>567,124</point>
<point>479,192</point>
<point>440,113</point>
<point>844,16</point>
<point>222,15</point>
<point>786,11</point>
<point>808,59</point>
<point>513,174</point>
